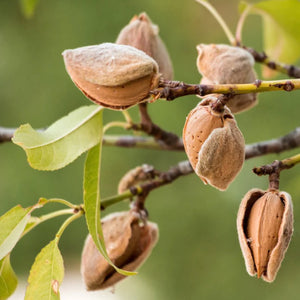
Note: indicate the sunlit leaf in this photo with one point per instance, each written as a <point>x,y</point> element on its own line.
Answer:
<point>8,278</point>
<point>91,186</point>
<point>28,7</point>
<point>63,141</point>
<point>12,225</point>
<point>46,274</point>
<point>281,23</point>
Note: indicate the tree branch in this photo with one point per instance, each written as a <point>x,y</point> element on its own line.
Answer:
<point>130,141</point>
<point>167,139</point>
<point>6,134</point>
<point>274,169</point>
<point>184,168</point>
<point>181,169</point>
<point>283,143</point>
<point>261,57</point>
<point>171,90</point>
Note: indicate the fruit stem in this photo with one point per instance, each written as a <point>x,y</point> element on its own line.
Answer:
<point>67,222</point>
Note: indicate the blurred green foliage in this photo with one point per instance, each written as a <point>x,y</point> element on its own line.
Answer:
<point>198,255</point>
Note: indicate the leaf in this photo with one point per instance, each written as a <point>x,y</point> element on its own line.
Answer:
<point>46,274</point>
<point>12,225</point>
<point>91,197</point>
<point>63,141</point>
<point>281,21</point>
<point>8,278</point>
<point>28,7</point>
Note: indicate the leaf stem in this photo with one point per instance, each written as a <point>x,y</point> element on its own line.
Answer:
<point>219,19</point>
<point>38,220</point>
<point>44,201</point>
<point>115,124</point>
<point>67,222</point>
<point>118,198</point>
<point>127,116</point>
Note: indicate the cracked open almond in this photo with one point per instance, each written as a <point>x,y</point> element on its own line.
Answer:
<point>128,243</point>
<point>265,227</point>
<point>223,64</point>
<point>214,144</point>
<point>114,76</point>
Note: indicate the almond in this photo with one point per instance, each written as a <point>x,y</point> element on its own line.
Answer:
<point>265,227</point>
<point>114,76</point>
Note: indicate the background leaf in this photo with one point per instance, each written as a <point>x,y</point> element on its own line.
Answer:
<point>46,274</point>
<point>28,7</point>
<point>63,141</point>
<point>91,187</point>
<point>8,278</point>
<point>281,23</point>
<point>12,225</point>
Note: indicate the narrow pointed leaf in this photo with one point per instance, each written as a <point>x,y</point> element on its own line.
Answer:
<point>92,202</point>
<point>12,225</point>
<point>8,278</point>
<point>63,141</point>
<point>281,21</point>
<point>46,274</point>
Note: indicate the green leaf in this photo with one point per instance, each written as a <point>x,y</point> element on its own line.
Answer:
<point>46,274</point>
<point>63,141</point>
<point>12,225</point>
<point>91,187</point>
<point>281,21</point>
<point>28,7</point>
<point>8,278</point>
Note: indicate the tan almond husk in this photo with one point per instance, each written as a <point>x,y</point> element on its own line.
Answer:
<point>284,233</point>
<point>222,155</point>
<point>115,76</point>
<point>142,34</point>
<point>223,64</point>
<point>128,244</point>
<point>134,176</point>
<point>214,144</point>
